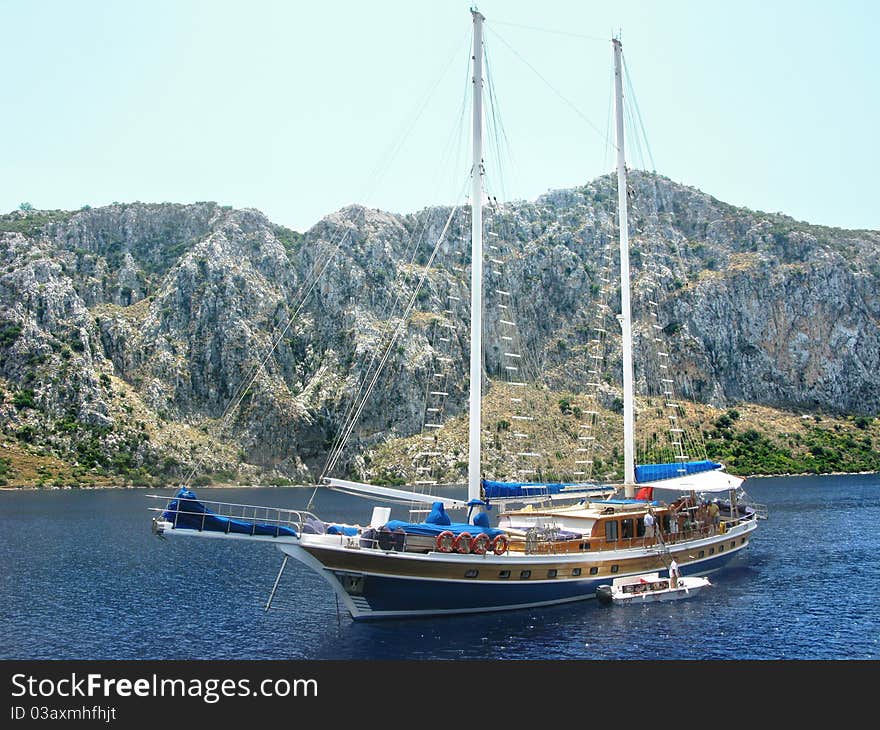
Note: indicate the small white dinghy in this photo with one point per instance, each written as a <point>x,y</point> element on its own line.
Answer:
<point>649,587</point>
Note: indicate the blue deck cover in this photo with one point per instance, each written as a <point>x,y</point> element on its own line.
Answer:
<point>659,472</point>
<point>426,528</point>
<point>438,521</point>
<point>510,490</point>
<point>185,511</point>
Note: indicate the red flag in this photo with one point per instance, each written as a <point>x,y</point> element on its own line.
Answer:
<point>645,493</point>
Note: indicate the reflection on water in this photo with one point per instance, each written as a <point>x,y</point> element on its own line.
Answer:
<point>83,578</point>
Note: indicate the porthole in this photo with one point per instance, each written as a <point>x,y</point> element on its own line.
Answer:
<point>615,568</point>
<point>472,573</point>
<point>524,574</point>
<point>575,572</point>
<point>504,574</point>
<point>594,570</point>
<point>551,573</point>
<point>702,553</point>
<point>711,551</point>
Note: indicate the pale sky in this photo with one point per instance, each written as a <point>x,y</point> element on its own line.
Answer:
<point>299,108</point>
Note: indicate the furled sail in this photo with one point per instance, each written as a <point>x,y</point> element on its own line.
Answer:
<point>716,480</point>
<point>525,490</point>
<point>657,472</point>
<point>391,493</point>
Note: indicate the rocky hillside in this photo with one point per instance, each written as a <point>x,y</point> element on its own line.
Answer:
<point>147,343</point>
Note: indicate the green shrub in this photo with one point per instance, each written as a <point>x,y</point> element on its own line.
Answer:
<point>9,332</point>
<point>24,399</point>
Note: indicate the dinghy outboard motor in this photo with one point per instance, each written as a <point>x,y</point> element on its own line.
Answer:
<point>603,593</point>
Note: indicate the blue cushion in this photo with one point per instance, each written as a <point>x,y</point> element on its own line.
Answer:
<point>438,515</point>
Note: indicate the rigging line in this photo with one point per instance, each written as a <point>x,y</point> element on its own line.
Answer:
<point>425,224</point>
<point>387,312</point>
<point>431,373</point>
<point>499,133</point>
<point>453,147</point>
<point>414,241</point>
<point>697,437</point>
<point>243,389</point>
<point>605,162</point>
<point>454,144</point>
<point>692,438</point>
<point>350,425</point>
<point>394,148</point>
<point>437,369</point>
<point>402,321</point>
<point>354,414</point>
<point>634,137</point>
<point>386,316</point>
<point>558,93</point>
<point>551,30</point>
<point>632,94</point>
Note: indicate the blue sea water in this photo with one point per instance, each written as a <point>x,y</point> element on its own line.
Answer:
<point>82,577</point>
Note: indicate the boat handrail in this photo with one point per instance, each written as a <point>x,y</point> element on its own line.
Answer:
<point>169,498</point>
<point>274,516</point>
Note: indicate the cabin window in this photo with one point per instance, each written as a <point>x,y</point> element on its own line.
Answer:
<point>711,551</point>
<point>472,573</point>
<point>615,568</point>
<point>721,548</point>
<point>640,527</point>
<point>594,570</point>
<point>733,545</point>
<point>585,546</point>
<point>626,529</point>
<point>742,541</point>
<point>524,574</point>
<point>611,531</point>
<point>702,553</point>
<point>575,571</point>
<point>666,523</point>
<point>551,573</point>
<point>504,574</point>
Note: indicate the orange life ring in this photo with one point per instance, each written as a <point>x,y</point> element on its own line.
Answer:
<point>445,541</point>
<point>500,544</point>
<point>480,544</point>
<point>462,543</point>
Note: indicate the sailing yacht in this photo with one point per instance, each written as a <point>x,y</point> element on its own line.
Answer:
<point>540,554</point>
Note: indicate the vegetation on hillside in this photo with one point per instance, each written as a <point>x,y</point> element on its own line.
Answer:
<point>749,440</point>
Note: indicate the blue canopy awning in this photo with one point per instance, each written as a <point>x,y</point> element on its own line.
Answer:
<point>658,472</point>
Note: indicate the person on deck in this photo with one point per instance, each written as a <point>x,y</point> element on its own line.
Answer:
<point>702,518</point>
<point>673,574</point>
<point>649,527</point>
<point>714,517</point>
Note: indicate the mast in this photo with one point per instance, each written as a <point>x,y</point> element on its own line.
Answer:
<point>625,317</point>
<point>476,365</point>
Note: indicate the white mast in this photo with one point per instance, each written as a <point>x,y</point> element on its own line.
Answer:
<point>476,370</point>
<point>625,317</point>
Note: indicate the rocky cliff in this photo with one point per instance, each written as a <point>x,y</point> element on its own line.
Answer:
<point>152,342</point>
